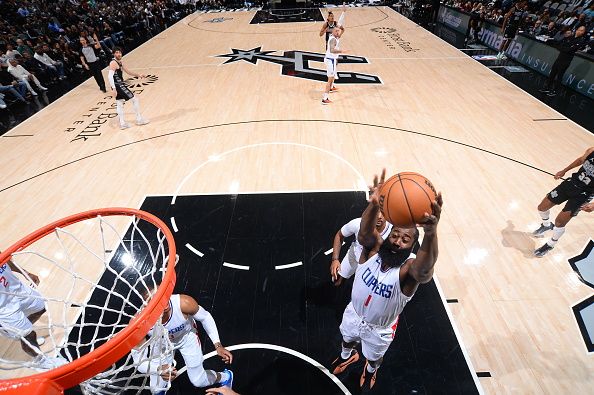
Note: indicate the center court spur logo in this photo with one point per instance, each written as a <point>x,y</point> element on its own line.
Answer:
<point>383,30</point>
<point>297,64</point>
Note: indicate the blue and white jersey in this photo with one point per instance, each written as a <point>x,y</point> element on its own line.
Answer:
<point>178,325</point>
<point>376,296</point>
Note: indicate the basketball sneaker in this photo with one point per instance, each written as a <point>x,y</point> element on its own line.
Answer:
<point>542,251</point>
<point>326,101</point>
<point>142,121</point>
<point>229,381</point>
<point>367,380</point>
<point>124,125</point>
<point>339,365</point>
<point>541,231</point>
<point>333,89</point>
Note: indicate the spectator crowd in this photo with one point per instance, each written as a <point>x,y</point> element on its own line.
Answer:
<point>552,20</point>
<point>41,40</point>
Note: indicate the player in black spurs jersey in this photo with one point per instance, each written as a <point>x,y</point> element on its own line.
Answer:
<point>120,91</point>
<point>328,26</point>
<point>577,191</point>
<point>511,25</point>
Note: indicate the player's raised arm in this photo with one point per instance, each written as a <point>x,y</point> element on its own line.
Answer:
<point>368,236</point>
<point>420,270</point>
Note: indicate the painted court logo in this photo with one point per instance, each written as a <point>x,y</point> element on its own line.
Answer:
<point>383,30</point>
<point>297,64</point>
<point>137,82</point>
<point>218,20</point>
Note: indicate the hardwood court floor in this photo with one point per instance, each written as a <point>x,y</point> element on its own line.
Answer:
<point>245,127</point>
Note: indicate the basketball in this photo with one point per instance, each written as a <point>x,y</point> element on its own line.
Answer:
<point>405,197</point>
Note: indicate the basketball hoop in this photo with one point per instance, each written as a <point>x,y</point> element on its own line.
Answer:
<point>111,282</point>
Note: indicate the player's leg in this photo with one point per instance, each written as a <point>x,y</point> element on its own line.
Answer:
<point>139,119</point>
<point>120,111</point>
<point>553,198</point>
<point>332,87</point>
<point>571,209</point>
<point>192,354</point>
<point>349,328</point>
<point>330,75</point>
<point>374,344</point>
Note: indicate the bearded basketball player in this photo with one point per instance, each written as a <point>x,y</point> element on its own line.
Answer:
<point>120,91</point>
<point>340,270</point>
<point>179,319</point>
<point>386,279</point>
<point>577,191</point>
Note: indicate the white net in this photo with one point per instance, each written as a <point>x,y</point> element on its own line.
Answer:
<point>94,277</point>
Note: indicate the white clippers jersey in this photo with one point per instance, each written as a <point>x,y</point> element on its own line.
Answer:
<point>352,228</point>
<point>376,295</point>
<point>10,286</point>
<point>178,326</point>
<point>329,53</point>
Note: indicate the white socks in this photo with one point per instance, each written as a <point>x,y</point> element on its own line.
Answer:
<point>557,233</point>
<point>346,352</point>
<point>120,111</point>
<point>326,96</point>
<point>136,105</point>
<point>545,217</point>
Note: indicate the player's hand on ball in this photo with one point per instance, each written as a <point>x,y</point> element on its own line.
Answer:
<point>588,207</point>
<point>375,188</point>
<point>430,221</point>
<point>225,355</point>
<point>168,373</point>
<point>559,175</point>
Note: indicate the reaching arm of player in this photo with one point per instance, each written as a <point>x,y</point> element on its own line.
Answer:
<point>420,269</point>
<point>335,265</point>
<point>190,307</point>
<point>132,73</point>
<point>28,275</point>
<point>578,162</point>
<point>323,30</point>
<point>368,236</point>
<point>341,21</point>
<point>588,207</point>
